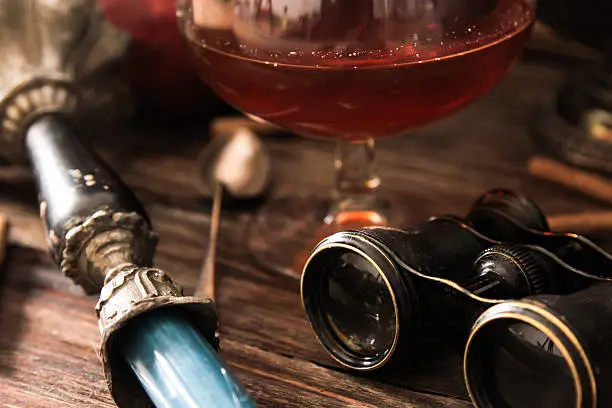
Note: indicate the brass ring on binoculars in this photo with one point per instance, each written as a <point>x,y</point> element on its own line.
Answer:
<point>539,317</point>
<point>322,332</point>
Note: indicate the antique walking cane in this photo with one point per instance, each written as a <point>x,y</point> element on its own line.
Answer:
<point>158,348</point>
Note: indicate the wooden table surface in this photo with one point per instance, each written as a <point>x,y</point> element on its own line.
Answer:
<point>48,331</point>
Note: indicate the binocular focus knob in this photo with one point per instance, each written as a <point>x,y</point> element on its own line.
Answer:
<point>519,271</point>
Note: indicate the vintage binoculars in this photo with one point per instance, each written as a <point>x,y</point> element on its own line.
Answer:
<point>531,305</point>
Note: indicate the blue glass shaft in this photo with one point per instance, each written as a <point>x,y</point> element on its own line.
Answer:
<point>176,366</point>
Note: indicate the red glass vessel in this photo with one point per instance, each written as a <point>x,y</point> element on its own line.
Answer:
<point>334,81</point>
<point>353,71</point>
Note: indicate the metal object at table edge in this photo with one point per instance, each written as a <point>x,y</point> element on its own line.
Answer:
<point>60,56</point>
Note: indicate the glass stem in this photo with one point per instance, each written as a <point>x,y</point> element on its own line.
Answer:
<point>357,181</point>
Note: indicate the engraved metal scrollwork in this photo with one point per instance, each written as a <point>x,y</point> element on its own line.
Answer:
<point>131,291</point>
<point>104,240</point>
<point>128,286</point>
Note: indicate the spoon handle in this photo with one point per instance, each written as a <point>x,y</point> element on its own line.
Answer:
<point>206,282</point>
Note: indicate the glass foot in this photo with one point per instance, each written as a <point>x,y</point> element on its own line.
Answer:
<point>284,233</point>
<point>358,212</point>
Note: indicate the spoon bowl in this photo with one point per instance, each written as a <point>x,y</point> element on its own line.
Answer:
<point>239,161</point>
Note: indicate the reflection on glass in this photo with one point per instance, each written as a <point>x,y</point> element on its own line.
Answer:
<point>522,367</point>
<point>534,337</point>
<point>358,305</point>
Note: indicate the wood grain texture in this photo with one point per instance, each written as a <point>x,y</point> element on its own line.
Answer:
<point>48,332</point>
<point>588,183</point>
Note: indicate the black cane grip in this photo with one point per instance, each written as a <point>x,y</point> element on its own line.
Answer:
<point>73,182</point>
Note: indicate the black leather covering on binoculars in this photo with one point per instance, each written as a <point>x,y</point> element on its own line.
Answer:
<point>588,314</point>
<point>439,248</point>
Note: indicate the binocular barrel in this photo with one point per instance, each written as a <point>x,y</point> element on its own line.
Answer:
<point>363,307</point>
<point>546,350</point>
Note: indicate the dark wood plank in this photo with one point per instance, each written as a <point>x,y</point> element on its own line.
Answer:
<point>48,339</point>
<point>318,385</point>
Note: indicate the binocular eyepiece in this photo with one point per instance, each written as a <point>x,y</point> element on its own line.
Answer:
<point>498,281</point>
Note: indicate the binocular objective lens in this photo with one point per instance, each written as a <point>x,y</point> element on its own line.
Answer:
<point>513,364</point>
<point>357,305</point>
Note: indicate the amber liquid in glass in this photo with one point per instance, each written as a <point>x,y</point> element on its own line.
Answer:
<point>353,69</point>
